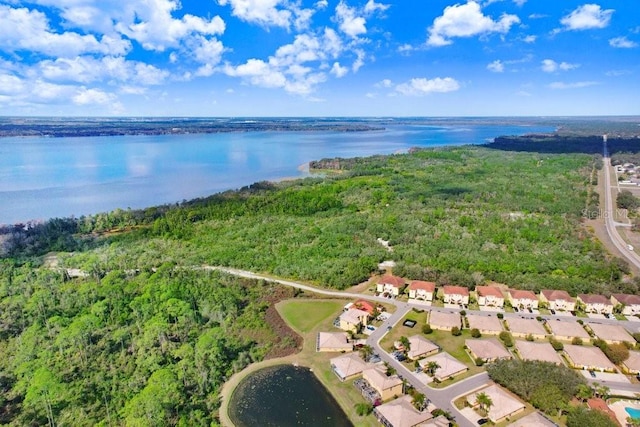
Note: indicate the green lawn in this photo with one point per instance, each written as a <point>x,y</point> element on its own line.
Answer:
<point>304,315</point>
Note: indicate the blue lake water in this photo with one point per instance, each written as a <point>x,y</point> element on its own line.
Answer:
<point>43,178</point>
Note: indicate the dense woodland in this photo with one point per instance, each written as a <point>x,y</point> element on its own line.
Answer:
<point>148,337</point>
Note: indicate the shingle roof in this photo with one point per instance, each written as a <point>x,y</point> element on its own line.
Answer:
<point>401,412</point>
<point>627,299</point>
<point>388,279</point>
<point>553,295</point>
<point>485,291</point>
<point>455,290</point>
<point>419,284</point>
<point>521,294</point>
<point>594,299</point>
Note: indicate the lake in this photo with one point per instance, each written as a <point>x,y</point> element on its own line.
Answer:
<point>283,396</point>
<point>42,178</point>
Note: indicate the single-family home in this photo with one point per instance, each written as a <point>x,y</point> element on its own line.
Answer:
<point>534,419</point>
<point>333,342</point>
<point>348,366</point>
<point>490,296</point>
<point>365,305</point>
<point>485,324</point>
<point>419,346</point>
<point>389,284</point>
<point>611,333</point>
<point>458,295</point>
<point>443,320</point>
<point>540,351</point>
<point>386,386</point>
<point>558,300</point>
<point>421,290</point>
<point>522,299</point>
<point>630,303</point>
<point>523,327</point>
<point>567,330</point>
<point>587,357</point>
<point>487,350</point>
<point>503,404</point>
<point>400,412</point>
<point>352,319</point>
<point>632,364</point>
<point>597,304</point>
<point>448,366</point>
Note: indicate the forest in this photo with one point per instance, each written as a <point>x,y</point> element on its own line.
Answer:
<point>147,337</point>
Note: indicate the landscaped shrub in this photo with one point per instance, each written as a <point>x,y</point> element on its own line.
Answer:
<point>475,333</point>
<point>576,341</point>
<point>426,329</point>
<point>506,338</point>
<point>455,331</point>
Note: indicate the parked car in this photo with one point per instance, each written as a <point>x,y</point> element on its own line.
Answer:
<point>592,373</point>
<point>515,309</point>
<point>482,421</point>
<point>552,311</point>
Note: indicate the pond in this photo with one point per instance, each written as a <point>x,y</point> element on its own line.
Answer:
<point>284,395</point>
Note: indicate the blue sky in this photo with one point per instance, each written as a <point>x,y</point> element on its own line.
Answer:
<point>319,58</point>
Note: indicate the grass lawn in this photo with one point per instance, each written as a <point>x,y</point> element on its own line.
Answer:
<point>304,315</point>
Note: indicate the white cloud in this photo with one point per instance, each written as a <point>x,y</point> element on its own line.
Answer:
<point>422,86</point>
<point>496,66</point>
<point>405,48</point>
<point>551,66</point>
<point>359,61</point>
<point>349,22</point>
<point>586,17</point>
<point>622,42</point>
<point>10,84</point>
<point>574,85</point>
<point>466,20</point>
<point>271,13</point>
<point>530,39</point>
<point>384,83</point>
<point>617,73</point>
<point>520,3</point>
<point>338,70</point>
<point>372,7</point>
<point>92,96</point>
<point>322,4</point>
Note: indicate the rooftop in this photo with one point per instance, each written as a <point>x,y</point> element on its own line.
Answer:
<point>394,281</point>
<point>378,379</point>
<point>334,340</point>
<point>522,294</point>
<point>556,295</point>
<point>455,290</point>
<point>611,332</point>
<point>594,299</point>
<point>444,319</point>
<point>487,349</point>
<point>486,291</point>
<point>364,305</point>
<point>534,419</point>
<point>525,326</point>
<point>588,356</point>
<point>504,404</point>
<point>400,412</point>
<point>420,346</point>
<point>567,329</point>
<point>627,299</point>
<point>449,365</point>
<point>633,362</point>
<point>542,351</point>
<point>349,364</point>
<point>353,316</point>
<point>426,286</point>
<point>484,323</point>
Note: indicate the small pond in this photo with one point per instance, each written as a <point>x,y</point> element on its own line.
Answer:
<point>284,395</point>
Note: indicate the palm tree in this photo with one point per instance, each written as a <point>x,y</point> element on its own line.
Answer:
<point>484,402</point>
<point>419,401</point>
<point>366,352</point>
<point>584,392</point>
<point>601,391</point>
<point>406,345</point>
<point>432,367</point>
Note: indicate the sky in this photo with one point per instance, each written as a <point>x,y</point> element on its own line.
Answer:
<point>230,58</point>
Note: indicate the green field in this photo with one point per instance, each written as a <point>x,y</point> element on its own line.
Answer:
<point>304,315</point>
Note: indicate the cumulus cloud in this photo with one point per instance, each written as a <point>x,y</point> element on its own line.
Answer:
<point>338,70</point>
<point>349,21</point>
<point>586,17</point>
<point>496,66</point>
<point>466,20</point>
<point>530,39</point>
<point>574,85</point>
<point>422,86</point>
<point>622,42</point>
<point>384,83</point>
<point>271,13</point>
<point>92,96</point>
<point>551,66</point>
<point>372,7</point>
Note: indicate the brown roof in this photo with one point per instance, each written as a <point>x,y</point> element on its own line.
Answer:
<point>600,405</point>
<point>364,306</point>
<point>485,291</point>
<point>388,279</point>
<point>456,290</point>
<point>554,295</point>
<point>419,284</point>
<point>594,299</point>
<point>520,294</point>
<point>627,299</point>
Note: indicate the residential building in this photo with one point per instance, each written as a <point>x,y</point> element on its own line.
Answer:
<point>504,404</point>
<point>422,290</point>
<point>348,366</point>
<point>611,333</point>
<point>421,347</point>
<point>487,350</point>
<point>567,330</point>
<point>630,303</point>
<point>522,299</point>
<point>365,305</point>
<point>524,327</point>
<point>597,304</point>
<point>444,321</point>
<point>632,364</point>
<point>534,419</point>
<point>558,300</point>
<point>386,386</point>
<point>540,351</point>
<point>400,412</point>
<point>333,342</point>
<point>587,357</point>
<point>449,366</point>
<point>490,296</point>
<point>455,295</point>
<point>352,319</point>
<point>485,324</point>
<point>389,284</point>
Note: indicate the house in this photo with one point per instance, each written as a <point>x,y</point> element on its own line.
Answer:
<point>540,351</point>
<point>611,333</point>
<point>352,319</point>
<point>597,304</point>
<point>485,324</point>
<point>490,296</point>
<point>386,386</point>
<point>567,330</point>
<point>444,321</point>
<point>420,347</point>
<point>558,300</point>
<point>448,366</point>
<point>400,412</point>
<point>632,364</point>
<point>587,357</point>
<point>365,305</point>
<point>389,284</point>
<point>504,405</point>
<point>523,327</point>
<point>348,366</point>
<point>522,299</point>
<point>534,419</point>
<point>487,350</point>
<point>630,303</point>
<point>458,295</point>
<point>422,290</point>
<point>333,342</point>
